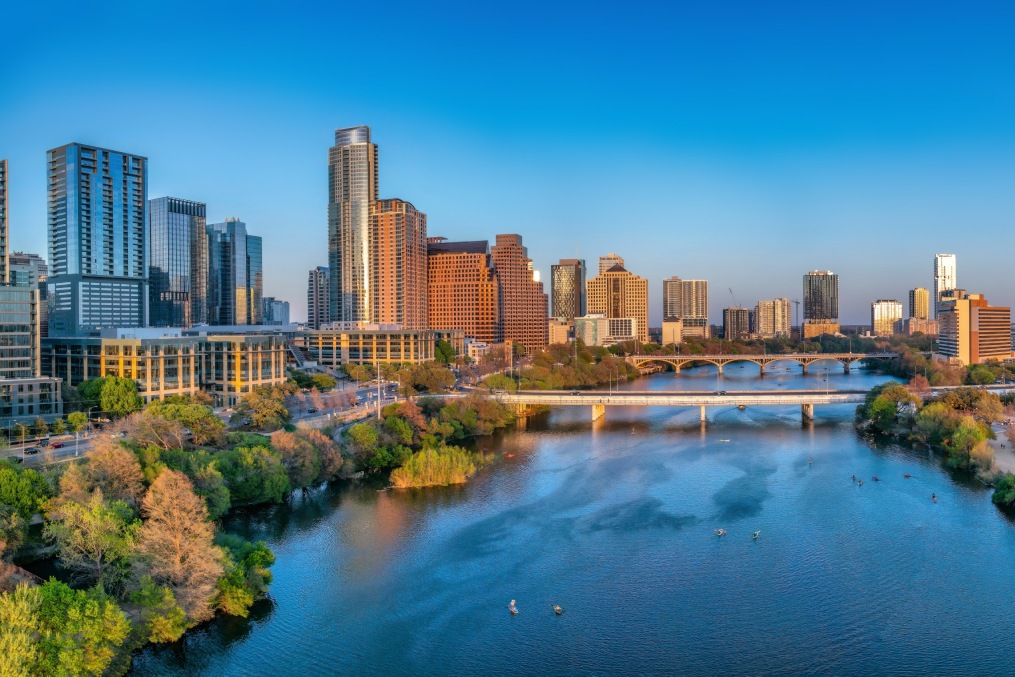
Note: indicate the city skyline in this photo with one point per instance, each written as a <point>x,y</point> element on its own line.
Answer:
<point>769,166</point>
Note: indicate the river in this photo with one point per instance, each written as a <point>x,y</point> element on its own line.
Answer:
<point>615,522</point>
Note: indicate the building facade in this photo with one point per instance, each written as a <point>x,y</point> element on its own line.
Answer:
<point>945,277</point>
<point>463,289</point>
<point>914,325</point>
<point>772,318</point>
<point>98,249</point>
<point>596,329</point>
<point>274,311</point>
<point>177,263</point>
<point>4,232</point>
<point>369,346</point>
<point>620,293</point>
<point>352,189</point>
<point>561,331</point>
<point>235,280</point>
<point>972,331</point>
<point>687,301</point>
<point>30,270</point>
<point>919,303</point>
<point>567,289</point>
<point>736,323</point>
<point>318,295</point>
<point>608,261</point>
<point>821,296</point>
<point>398,271</point>
<point>524,311</point>
<point>885,313</point>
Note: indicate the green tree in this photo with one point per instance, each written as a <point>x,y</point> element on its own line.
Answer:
<point>39,427</point>
<point>20,628</point>
<point>363,439</point>
<point>90,392</point>
<point>247,574</point>
<point>59,426</point>
<point>161,617</point>
<point>94,537</point>
<point>205,427</point>
<point>23,490</point>
<point>1004,490</point>
<point>264,407</point>
<point>444,353</point>
<point>81,632</point>
<point>21,431</point>
<point>119,397</point>
<point>254,475</point>
<point>77,421</point>
<point>323,382</point>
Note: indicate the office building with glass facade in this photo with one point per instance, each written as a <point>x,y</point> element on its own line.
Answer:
<point>567,289</point>
<point>97,203</point>
<point>235,279</point>
<point>274,311</point>
<point>177,263</point>
<point>4,239</point>
<point>352,190</point>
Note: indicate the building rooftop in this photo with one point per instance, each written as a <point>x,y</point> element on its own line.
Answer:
<point>468,247</point>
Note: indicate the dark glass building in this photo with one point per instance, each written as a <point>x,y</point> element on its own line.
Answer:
<point>98,254</point>
<point>567,289</point>
<point>821,296</point>
<point>235,279</point>
<point>177,263</point>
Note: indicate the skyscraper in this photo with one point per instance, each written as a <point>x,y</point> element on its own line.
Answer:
<point>972,330</point>
<point>821,296</point>
<point>276,311</point>
<point>234,274</point>
<point>884,315</point>
<point>318,293</point>
<point>772,318</point>
<point>398,265</point>
<point>608,261</point>
<point>945,277</point>
<point>567,289</point>
<point>523,302</point>
<point>919,303</point>
<point>4,239</point>
<point>97,199</point>
<point>687,300</point>
<point>620,293</point>
<point>177,263</point>
<point>463,289</point>
<point>736,323</point>
<point>352,189</point>
<point>30,270</point>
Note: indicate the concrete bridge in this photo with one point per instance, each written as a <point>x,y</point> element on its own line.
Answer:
<point>600,399</point>
<point>803,359</point>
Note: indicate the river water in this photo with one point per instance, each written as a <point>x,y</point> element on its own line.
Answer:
<point>615,522</point>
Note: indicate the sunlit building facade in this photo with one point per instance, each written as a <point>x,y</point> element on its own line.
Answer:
<point>177,263</point>
<point>4,237</point>
<point>945,277</point>
<point>398,272</point>
<point>772,318</point>
<point>885,313</point>
<point>235,280</point>
<point>972,331</point>
<point>687,301</point>
<point>620,293</point>
<point>463,289</point>
<point>318,295</point>
<point>919,303</point>
<point>522,300</point>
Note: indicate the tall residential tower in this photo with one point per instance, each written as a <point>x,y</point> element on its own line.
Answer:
<point>945,277</point>
<point>98,253</point>
<point>318,293</point>
<point>177,263</point>
<point>687,301</point>
<point>523,303</point>
<point>4,239</point>
<point>398,265</point>
<point>352,189</point>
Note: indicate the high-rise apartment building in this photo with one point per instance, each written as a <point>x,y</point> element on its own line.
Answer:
<point>463,289</point>
<point>687,301</point>
<point>4,239</point>
<point>398,264</point>
<point>619,293</point>
<point>772,318</point>
<point>736,323</point>
<point>177,263</point>
<point>352,189</point>
<point>523,302</point>
<point>235,281</point>
<point>945,277</point>
<point>275,311</point>
<point>30,270</point>
<point>821,296</point>
<point>608,261</point>
<point>885,313</point>
<point>567,289</point>
<point>318,294</point>
<point>919,303</point>
<point>972,331</point>
<point>98,252</point>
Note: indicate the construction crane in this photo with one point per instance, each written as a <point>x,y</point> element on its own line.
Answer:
<point>735,304</point>
<point>800,337</point>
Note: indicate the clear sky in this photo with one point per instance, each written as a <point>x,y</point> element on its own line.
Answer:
<point>741,142</point>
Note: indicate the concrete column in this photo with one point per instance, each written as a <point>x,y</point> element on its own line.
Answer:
<point>762,369</point>
<point>846,366</point>
<point>720,369</point>
<point>703,416</point>
<point>807,412</point>
<point>805,368</point>
<point>598,411</point>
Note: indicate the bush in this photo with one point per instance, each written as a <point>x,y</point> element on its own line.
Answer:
<point>438,466</point>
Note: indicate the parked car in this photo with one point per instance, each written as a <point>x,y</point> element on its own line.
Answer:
<point>311,411</point>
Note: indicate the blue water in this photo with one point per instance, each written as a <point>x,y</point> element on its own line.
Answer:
<point>615,522</point>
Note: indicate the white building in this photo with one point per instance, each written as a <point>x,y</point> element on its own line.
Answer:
<point>884,315</point>
<point>945,277</point>
<point>598,330</point>
<point>772,318</point>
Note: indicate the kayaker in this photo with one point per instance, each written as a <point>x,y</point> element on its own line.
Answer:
<point>512,608</point>
<point>557,610</point>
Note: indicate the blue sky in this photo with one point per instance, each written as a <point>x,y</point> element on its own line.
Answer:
<point>741,142</point>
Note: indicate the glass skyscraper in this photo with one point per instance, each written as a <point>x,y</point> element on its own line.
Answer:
<point>177,263</point>
<point>97,200</point>
<point>821,296</point>
<point>352,189</point>
<point>234,274</point>
<point>567,289</point>
<point>4,240</point>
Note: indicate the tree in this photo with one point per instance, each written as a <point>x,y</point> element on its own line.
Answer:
<point>116,471</point>
<point>324,381</point>
<point>162,617</point>
<point>59,426</point>
<point>254,475</point>
<point>90,392</point>
<point>19,629</point>
<point>247,574</point>
<point>21,430</point>
<point>12,533</point>
<point>264,408</point>
<point>147,428</point>
<point>81,632</point>
<point>444,353</point>
<point>204,426</point>
<point>118,396</point>
<point>94,536</point>
<point>39,427</point>
<point>176,544</point>
<point>77,421</point>
<point>23,490</point>
<point>920,386</point>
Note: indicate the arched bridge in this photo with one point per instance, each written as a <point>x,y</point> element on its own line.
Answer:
<point>803,359</point>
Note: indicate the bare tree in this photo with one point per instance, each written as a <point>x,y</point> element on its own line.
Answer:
<point>116,471</point>
<point>177,544</point>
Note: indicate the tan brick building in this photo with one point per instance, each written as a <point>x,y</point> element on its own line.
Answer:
<point>973,331</point>
<point>620,293</point>
<point>524,305</point>
<point>398,288</point>
<point>463,289</point>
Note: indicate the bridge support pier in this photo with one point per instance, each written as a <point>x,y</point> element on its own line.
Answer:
<point>521,411</point>
<point>846,366</point>
<point>704,418</point>
<point>807,412</point>
<point>598,411</point>
<point>720,369</point>
<point>762,369</point>
<point>805,369</point>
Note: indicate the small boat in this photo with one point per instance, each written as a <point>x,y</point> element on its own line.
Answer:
<point>741,407</point>
<point>875,478</point>
<point>720,532</point>
<point>557,610</point>
<point>509,455</point>
<point>724,441</point>
<point>756,534</point>
<point>512,608</point>
<point>907,475</point>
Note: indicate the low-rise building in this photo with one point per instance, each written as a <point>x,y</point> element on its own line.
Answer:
<point>476,350</point>
<point>561,331</point>
<point>337,347</point>
<point>814,329</point>
<point>673,332</point>
<point>596,329</point>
